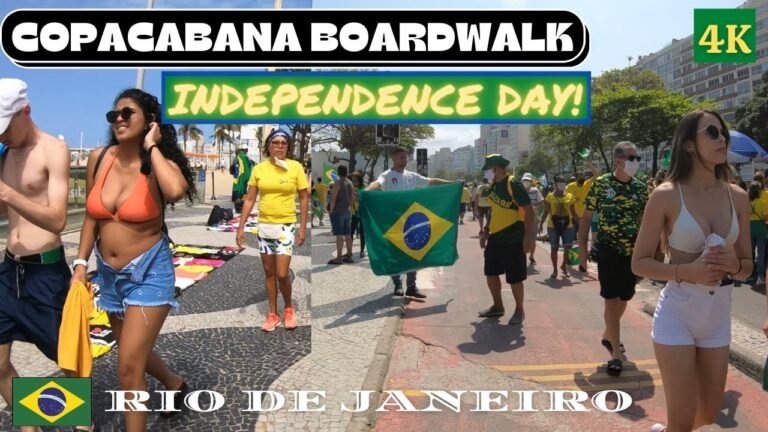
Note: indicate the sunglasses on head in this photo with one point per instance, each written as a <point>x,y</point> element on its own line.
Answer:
<point>633,158</point>
<point>125,113</point>
<point>714,132</point>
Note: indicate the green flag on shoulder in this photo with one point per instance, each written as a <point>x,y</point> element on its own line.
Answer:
<point>410,230</point>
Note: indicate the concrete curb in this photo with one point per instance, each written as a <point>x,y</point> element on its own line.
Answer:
<point>740,357</point>
<point>377,373</point>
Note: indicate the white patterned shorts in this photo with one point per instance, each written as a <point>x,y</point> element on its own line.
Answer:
<point>276,239</point>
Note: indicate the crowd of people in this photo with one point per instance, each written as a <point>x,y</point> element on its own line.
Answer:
<point>695,226</point>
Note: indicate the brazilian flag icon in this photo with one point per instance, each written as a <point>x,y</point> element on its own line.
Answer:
<point>409,230</point>
<point>51,401</point>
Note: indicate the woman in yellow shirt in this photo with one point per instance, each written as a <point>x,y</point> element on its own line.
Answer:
<point>276,182</point>
<point>561,208</point>
<point>757,228</point>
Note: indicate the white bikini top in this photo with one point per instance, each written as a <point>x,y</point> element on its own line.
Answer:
<point>687,235</point>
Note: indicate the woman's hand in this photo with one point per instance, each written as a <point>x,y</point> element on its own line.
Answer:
<point>701,272</point>
<point>153,136</point>
<point>723,259</point>
<point>240,237</point>
<point>78,275</point>
<point>301,237</point>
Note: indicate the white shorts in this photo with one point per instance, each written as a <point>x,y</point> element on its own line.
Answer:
<point>276,239</point>
<point>687,314</point>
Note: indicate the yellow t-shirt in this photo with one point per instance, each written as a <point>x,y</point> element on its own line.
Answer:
<point>559,207</point>
<point>466,198</point>
<point>322,193</point>
<point>759,208</point>
<point>764,197</point>
<point>579,193</point>
<point>277,190</point>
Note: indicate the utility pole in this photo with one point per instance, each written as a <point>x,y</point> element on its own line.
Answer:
<point>140,71</point>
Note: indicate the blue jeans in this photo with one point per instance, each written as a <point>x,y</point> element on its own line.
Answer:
<point>760,243</point>
<point>410,280</point>
<point>148,280</point>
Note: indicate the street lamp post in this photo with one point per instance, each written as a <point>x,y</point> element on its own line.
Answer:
<point>140,71</point>
<point>213,177</point>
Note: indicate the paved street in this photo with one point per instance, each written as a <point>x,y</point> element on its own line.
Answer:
<point>442,345</point>
<point>213,340</point>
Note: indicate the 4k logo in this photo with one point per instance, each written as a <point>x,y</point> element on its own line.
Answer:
<point>724,36</point>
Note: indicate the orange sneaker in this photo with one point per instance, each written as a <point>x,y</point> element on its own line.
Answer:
<point>273,320</point>
<point>290,320</point>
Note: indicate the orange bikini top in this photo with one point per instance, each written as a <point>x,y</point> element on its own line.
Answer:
<point>138,207</point>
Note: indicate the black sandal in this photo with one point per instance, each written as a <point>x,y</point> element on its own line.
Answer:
<point>178,401</point>
<point>615,367</point>
<point>609,346</point>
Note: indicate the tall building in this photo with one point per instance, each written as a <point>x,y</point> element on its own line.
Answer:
<point>444,162</point>
<point>730,85</point>
<point>510,141</point>
<point>462,160</point>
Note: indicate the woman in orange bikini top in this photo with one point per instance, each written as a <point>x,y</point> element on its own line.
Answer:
<point>127,185</point>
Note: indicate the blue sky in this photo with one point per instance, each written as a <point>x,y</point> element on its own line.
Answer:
<point>68,102</point>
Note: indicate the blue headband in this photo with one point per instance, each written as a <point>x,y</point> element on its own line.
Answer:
<point>277,132</point>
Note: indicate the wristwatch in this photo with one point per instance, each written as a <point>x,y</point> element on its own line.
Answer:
<point>78,262</point>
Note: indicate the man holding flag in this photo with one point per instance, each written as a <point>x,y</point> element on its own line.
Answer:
<point>507,238</point>
<point>399,179</point>
<point>241,173</point>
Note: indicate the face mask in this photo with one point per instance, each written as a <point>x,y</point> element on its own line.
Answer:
<point>527,184</point>
<point>560,186</point>
<point>631,167</point>
<point>281,163</point>
<point>489,175</point>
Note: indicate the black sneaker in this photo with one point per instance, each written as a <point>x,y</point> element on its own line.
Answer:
<point>399,290</point>
<point>415,293</point>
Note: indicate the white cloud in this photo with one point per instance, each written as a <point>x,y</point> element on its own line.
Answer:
<point>453,136</point>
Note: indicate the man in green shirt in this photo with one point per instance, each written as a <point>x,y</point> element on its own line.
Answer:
<point>507,238</point>
<point>619,200</point>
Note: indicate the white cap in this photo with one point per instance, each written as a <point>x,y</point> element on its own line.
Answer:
<point>527,176</point>
<point>13,97</point>
<point>244,147</point>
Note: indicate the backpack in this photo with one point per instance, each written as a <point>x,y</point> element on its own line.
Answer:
<point>163,203</point>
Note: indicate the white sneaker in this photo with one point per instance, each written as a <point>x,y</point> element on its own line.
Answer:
<point>658,427</point>
<point>761,281</point>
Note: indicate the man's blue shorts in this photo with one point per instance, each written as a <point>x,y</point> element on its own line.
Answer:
<point>32,297</point>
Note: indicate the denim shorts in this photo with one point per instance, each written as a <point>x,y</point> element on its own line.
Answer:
<point>148,280</point>
<point>341,223</point>
<point>568,235</point>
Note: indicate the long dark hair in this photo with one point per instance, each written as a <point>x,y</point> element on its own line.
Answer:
<point>754,190</point>
<point>168,145</point>
<point>681,162</point>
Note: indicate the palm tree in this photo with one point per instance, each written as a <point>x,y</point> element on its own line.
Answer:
<point>190,131</point>
<point>221,135</point>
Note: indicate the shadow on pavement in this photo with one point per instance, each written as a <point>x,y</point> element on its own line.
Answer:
<point>422,312</point>
<point>637,383</point>
<point>493,338</point>
<point>359,309</point>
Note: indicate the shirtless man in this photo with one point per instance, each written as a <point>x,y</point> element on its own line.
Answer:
<point>34,277</point>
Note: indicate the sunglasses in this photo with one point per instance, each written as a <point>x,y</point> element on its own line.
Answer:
<point>125,113</point>
<point>633,158</point>
<point>714,132</point>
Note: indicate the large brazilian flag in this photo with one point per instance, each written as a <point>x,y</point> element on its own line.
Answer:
<point>329,174</point>
<point>409,230</point>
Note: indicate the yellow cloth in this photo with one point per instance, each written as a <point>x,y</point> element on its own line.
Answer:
<point>764,197</point>
<point>580,194</point>
<point>322,193</point>
<point>559,206</point>
<point>466,198</point>
<point>196,268</point>
<point>74,333</point>
<point>758,210</point>
<point>101,346</point>
<point>189,250</point>
<point>277,190</point>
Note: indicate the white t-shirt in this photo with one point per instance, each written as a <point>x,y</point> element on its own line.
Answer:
<point>391,180</point>
<point>535,195</point>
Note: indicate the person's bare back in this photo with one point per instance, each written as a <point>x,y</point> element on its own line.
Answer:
<point>35,171</point>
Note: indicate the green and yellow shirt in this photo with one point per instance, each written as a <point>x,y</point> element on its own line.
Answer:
<point>507,222</point>
<point>619,208</point>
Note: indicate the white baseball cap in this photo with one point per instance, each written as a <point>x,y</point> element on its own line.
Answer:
<point>244,147</point>
<point>13,97</point>
<point>527,176</point>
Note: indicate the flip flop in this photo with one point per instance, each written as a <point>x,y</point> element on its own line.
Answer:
<point>334,262</point>
<point>347,259</point>
<point>489,313</point>
<point>615,367</point>
<point>607,344</point>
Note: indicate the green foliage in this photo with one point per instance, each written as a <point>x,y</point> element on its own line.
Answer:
<point>752,117</point>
